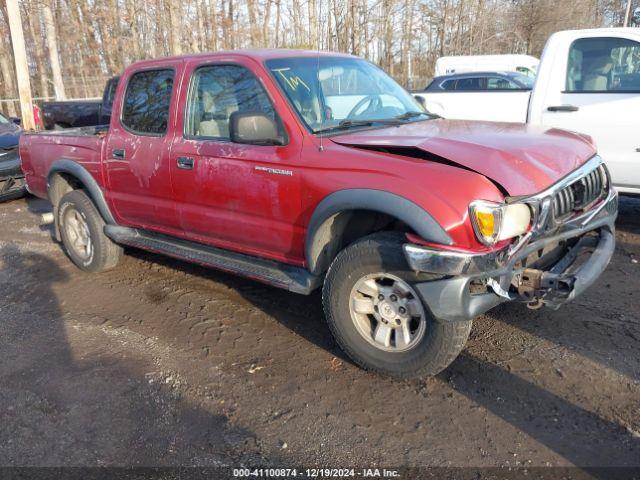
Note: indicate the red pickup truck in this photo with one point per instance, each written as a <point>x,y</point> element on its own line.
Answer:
<point>307,170</point>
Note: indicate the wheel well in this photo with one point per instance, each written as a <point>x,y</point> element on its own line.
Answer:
<point>342,229</point>
<point>61,183</point>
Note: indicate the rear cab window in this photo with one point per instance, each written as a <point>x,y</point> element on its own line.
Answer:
<point>147,101</point>
<point>603,65</point>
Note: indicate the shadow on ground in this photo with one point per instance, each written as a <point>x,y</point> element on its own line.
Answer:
<point>88,417</point>
<point>94,405</point>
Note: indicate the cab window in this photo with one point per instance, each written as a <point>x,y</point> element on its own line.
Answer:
<point>604,65</point>
<point>216,92</point>
<point>147,100</point>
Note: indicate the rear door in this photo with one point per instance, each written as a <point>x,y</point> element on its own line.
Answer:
<point>601,97</point>
<point>137,151</point>
<point>236,196</point>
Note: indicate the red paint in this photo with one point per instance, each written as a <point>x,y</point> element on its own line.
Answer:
<point>225,201</point>
<point>524,159</point>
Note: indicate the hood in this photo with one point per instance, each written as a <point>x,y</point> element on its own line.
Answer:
<point>9,135</point>
<point>522,159</point>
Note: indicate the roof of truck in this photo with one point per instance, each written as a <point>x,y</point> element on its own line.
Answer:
<point>603,30</point>
<point>258,54</point>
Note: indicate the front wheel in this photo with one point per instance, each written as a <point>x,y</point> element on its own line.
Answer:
<point>378,318</point>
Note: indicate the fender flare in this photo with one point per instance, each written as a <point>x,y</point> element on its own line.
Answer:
<point>369,199</point>
<point>93,189</point>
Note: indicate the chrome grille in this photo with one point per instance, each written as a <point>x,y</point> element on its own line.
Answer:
<point>580,194</point>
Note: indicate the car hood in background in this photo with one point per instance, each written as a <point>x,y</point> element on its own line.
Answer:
<point>522,159</point>
<point>9,135</point>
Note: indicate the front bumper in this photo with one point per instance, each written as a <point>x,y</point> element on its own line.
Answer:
<point>506,275</point>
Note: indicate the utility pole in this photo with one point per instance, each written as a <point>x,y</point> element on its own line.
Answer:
<point>627,14</point>
<point>22,68</point>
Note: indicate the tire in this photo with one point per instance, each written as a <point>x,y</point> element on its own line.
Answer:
<point>431,351</point>
<point>79,220</point>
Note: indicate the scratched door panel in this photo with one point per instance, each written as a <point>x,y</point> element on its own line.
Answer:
<point>241,197</point>
<point>237,196</point>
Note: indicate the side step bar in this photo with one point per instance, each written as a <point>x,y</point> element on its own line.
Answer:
<point>288,277</point>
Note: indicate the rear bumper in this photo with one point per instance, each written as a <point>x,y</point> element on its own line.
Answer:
<point>506,279</point>
<point>12,181</point>
<point>10,165</point>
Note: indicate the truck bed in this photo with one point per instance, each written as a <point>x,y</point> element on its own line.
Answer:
<point>39,150</point>
<point>96,130</point>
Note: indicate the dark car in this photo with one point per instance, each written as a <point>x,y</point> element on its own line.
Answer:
<point>80,113</point>
<point>480,81</point>
<point>12,183</point>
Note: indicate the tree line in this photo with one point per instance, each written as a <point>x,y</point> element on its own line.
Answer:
<point>73,46</point>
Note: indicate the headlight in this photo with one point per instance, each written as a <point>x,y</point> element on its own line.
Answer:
<point>493,222</point>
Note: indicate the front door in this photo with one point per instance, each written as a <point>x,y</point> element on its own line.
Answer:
<point>602,99</point>
<point>236,196</point>
<point>137,152</point>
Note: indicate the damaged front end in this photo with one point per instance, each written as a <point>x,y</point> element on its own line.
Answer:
<point>569,244</point>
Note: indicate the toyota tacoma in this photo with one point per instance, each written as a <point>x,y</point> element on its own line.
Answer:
<point>305,170</point>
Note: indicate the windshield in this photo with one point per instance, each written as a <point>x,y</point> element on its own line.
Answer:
<point>524,80</point>
<point>3,120</point>
<point>338,92</point>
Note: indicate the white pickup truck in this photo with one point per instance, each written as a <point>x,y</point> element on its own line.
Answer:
<point>588,81</point>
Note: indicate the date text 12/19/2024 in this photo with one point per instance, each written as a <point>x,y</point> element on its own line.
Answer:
<point>315,473</point>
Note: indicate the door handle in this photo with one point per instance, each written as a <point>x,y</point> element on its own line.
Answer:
<point>118,153</point>
<point>185,163</point>
<point>563,108</point>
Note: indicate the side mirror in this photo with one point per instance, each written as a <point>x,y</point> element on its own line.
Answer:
<point>16,120</point>
<point>421,101</point>
<point>254,128</point>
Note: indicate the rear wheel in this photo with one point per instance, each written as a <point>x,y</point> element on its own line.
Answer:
<point>82,232</point>
<point>379,319</point>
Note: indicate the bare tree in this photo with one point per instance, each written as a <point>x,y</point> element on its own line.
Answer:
<point>75,45</point>
<point>175,21</point>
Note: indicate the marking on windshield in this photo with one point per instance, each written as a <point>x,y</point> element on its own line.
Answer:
<point>294,82</point>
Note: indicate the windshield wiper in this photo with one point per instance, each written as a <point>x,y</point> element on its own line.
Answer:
<point>348,123</point>
<point>410,115</point>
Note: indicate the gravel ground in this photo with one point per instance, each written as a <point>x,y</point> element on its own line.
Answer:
<point>162,363</point>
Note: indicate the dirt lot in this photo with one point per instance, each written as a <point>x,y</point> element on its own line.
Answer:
<point>163,363</point>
